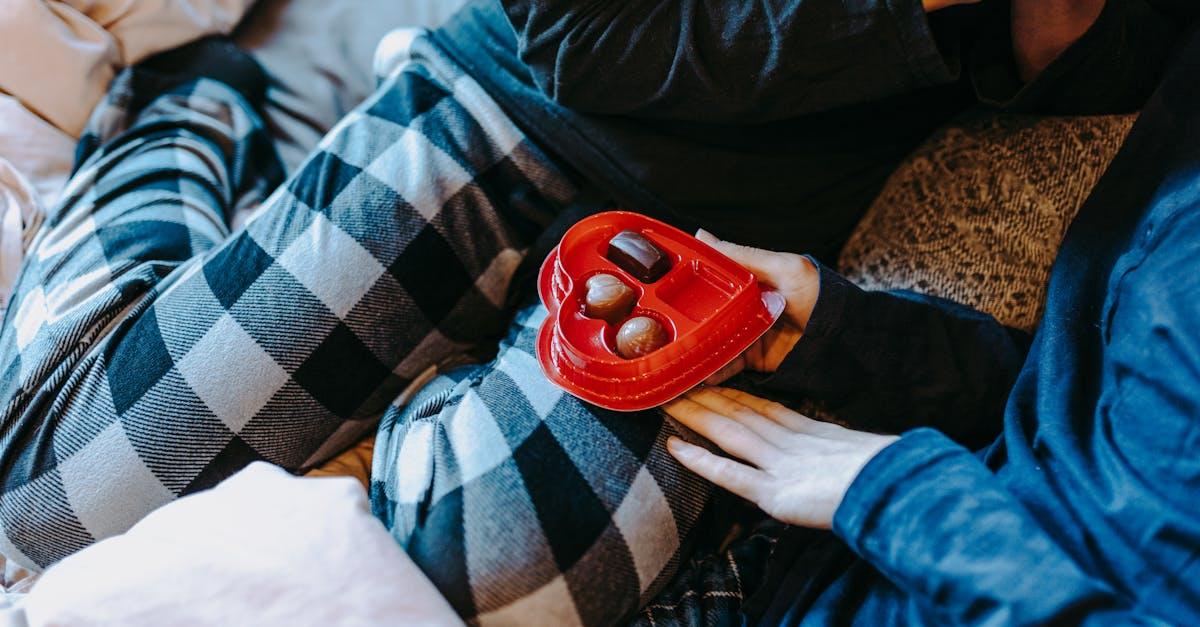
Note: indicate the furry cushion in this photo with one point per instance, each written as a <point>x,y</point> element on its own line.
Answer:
<point>977,213</point>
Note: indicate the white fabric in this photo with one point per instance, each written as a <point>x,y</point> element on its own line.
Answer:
<point>14,583</point>
<point>20,215</point>
<point>262,548</point>
<point>82,43</point>
<point>41,152</point>
<point>319,55</point>
<point>12,610</point>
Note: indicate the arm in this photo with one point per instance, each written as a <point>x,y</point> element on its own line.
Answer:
<point>728,60</point>
<point>881,361</point>
<point>933,519</point>
<point>893,361</point>
<point>957,539</point>
<point>942,526</point>
<point>921,509</point>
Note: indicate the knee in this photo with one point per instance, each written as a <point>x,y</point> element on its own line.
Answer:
<point>37,526</point>
<point>516,508</point>
<point>88,491</point>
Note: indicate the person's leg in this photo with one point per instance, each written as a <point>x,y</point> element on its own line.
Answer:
<point>155,196</point>
<point>527,506</point>
<point>143,367</point>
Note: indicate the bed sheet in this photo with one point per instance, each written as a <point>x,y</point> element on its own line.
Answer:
<point>319,55</point>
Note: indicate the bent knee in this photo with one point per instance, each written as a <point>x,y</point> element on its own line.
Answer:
<point>87,493</point>
<point>516,511</point>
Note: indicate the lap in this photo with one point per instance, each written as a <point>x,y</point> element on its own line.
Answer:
<point>518,500</point>
<point>390,250</point>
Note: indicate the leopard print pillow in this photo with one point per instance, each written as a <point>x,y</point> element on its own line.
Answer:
<point>977,213</point>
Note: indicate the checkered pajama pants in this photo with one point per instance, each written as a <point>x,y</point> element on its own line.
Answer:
<point>149,353</point>
<point>525,505</point>
<point>585,508</point>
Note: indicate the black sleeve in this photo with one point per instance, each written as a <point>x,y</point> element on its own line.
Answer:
<point>1113,68</point>
<point>732,61</point>
<point>894,361</point>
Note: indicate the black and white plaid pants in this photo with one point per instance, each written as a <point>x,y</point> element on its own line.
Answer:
<point>149,352</point>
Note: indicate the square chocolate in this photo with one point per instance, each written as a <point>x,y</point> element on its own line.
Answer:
<point>638,256</point>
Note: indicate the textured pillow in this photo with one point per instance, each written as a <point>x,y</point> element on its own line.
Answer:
<point>977,213</point>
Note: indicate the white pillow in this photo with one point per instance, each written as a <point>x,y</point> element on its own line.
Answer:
<point>262,548</point>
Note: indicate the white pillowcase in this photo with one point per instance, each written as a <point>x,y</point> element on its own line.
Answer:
<point>262,548</point>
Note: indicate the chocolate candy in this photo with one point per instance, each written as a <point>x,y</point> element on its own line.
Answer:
<point>635,254</point>
<point>608,298</point>
<point>640,336</point>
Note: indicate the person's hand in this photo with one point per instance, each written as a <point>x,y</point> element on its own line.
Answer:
<point>1043,29</point>
<point>796,279</point>
<point>797,469</point>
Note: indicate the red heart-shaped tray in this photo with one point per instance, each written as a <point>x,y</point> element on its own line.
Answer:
<point>712,308</point>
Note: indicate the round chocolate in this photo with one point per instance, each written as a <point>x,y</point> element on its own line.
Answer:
<point>640,336</point>
<point>608,298</point>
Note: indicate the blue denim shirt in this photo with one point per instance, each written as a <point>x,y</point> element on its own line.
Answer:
<point>1085,509</point>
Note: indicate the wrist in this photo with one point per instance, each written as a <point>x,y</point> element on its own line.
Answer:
<point>870,446</point>
<point>822,302</point>
<point>883,487</point>
<point>803,299</point>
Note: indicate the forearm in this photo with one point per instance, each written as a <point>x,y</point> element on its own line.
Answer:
<point>722,60</point>
<point>942,527</point>
<point>938,5</point>
<point>889,362</point>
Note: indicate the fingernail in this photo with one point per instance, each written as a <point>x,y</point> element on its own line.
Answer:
<point>678,447</point>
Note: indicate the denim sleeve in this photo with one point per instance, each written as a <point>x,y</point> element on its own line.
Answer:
<point>729,61</point>
<point>1113,68</point>
<point>937,523</point>
<point>894,361</point>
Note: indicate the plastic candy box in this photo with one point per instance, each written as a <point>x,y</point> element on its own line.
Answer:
<point>708,308</point>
